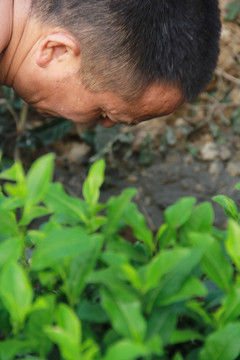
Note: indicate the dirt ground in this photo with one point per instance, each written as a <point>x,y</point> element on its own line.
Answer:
<point>193,152</point>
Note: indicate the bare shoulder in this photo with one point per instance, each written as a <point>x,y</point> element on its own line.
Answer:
<point>5,23</point>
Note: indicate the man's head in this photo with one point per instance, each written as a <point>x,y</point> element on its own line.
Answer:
<point>136,58</point>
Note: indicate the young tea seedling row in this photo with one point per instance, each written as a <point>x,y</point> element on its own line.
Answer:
<point>75,289</point>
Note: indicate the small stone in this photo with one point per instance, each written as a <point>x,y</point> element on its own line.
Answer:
<point>139,194</point>
<point>148,201</point>
<point>138,140</point>
<point>225,153</point>
<point>184,184</point>
<point>226,34</point>
<point>180,122</point>
<point>215,168</point>
<point>236,142</point>
<point>199,188</point>
<point>170,136</point>
<point>188,159</point>
<point>233,168</point>
<point>182,127</point>
<point>76,152</point>
<point>235,95</point>
<point>196,169</point>
<point>132,178</point>
<point>209,151</point>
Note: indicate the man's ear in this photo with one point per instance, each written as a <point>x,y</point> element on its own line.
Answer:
<point>54,46</point>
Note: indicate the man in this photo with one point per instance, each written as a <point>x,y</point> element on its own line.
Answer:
<point>108,61</point>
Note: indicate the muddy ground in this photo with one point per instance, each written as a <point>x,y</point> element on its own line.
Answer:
<point>193,152</point>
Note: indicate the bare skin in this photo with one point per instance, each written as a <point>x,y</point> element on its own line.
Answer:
<point>42,64</point>
<point>6,23</point>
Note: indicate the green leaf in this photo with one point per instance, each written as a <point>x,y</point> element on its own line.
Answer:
<point>223,344</point>
<point>132,276</point>
<point>230,307</point>
<point>162,321</point>
<point>114,259</point>
<point>67,334</point>
<point>103,140</point>
<point>214,263</point>
<point>4,321</point>
<point>36,212</point>
<point>96,223</point>
<point>17,194</point>
<point>38,179</point>
<point>10,250</point>
<point>91,186</point>
<point>12,203</point>
<point>8,223</point>
<point>182,336</point>
<point>200,220</point>
<point>154,346</point>
<point>126,350</point>
<point>127,249</point>
<point>48,279</point>
<point>191,288</point>
<point>123,268</point>
<point>115,210</point>
<point>178,356</point>
<point>137,222</point>
<point>91,312</point>
<point>166,236</point>
<point>89,350</point>
<point>31,358</point>
<point>177,214</point>
<point>173,281</point>
<point>162,264</point>
<point>124,316</point>
<point>233,242</point>
<point>9,349</point>
<point>59,245</point>
<point>46,134</point>
<point>42,314</point>
<point>67,320</point>
<point>238,185</point>
<point>197,307</point>
<point>14,173</point>
<point>233,10</point>
<point>228,205</point>
<point>80,266</point>
<point>16,292</point>
<point>61,203</point>
<point>109,278</point>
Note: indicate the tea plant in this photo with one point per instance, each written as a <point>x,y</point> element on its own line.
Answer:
<point>13,125</point>
<point>233,10</point>
<point>73,288</point>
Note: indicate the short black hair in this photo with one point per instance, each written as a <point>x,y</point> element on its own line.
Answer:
<point>129,44</point>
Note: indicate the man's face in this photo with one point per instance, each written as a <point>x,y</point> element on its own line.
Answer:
<point>48,79</point>
<point>70,99</point>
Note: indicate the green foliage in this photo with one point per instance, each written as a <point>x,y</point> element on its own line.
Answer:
<point>45,134</point>
<point>233,10</point>
<point>13,117</point>
<point>74,288</point>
